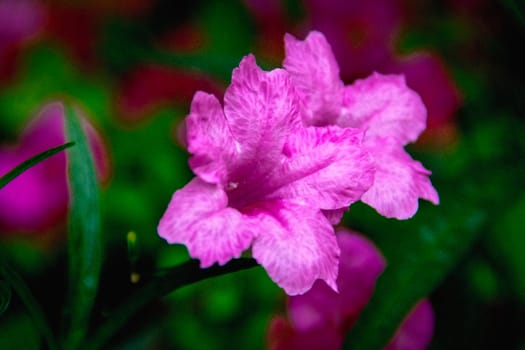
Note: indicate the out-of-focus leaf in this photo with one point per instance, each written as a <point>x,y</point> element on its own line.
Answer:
<point>5,296</point>
<point>167,281</point>
<point>19,169</point>
<point>45,74</point>
<point>84,243</point>
<point>507,245</point>
<point>218,308</point>
<point>226,42</point>
<point>419,254</point>
<point>17,331</point>
<point>125,37</point>
<point>25,255</point>
<point>517,8</point>
<point>29,301</point>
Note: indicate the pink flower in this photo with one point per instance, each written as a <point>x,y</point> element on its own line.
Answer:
<point>37,199</point>
<point>382,106</point>
<point>19,19</point>
<point>321,318</point>
<point>265,180</point>
<point>361,32</point>
<point>441,97</point>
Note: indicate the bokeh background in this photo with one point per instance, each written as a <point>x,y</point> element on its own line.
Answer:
<point>133,67</point>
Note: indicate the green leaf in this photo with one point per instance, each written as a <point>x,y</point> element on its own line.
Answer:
<point>17,331</point>
<point>84,241</point>
<point>19,169</point>
<point>419,254</point>
<point>5,296</point>
<point>29,301</point>
<point>165,282</point>
<point>507,242</point>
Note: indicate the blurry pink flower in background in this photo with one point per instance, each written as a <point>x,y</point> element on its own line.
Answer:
<point>19,21</point>
<point>321,318</point>
<point>361,32</point>
<point>389,113</point>
<point>264,180</point>
<point>37,199</point>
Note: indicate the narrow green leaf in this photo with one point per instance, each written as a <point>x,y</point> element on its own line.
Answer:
<point>5,296</point>
<point>419,255</point>
<point>167,281</point>
<point>19,169</point>
<point>29,301</point>
<point>84,238</point>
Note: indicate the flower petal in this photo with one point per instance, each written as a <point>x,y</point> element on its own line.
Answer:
<point>415,333</point>
<point>315,73</point>
<point>198,217</point>
<point>334,216</point>
<point>19,20</point>
<point>384,106</point>
<point>326,166</point>
<point>209,139</point>
<point>399,181</point>
<point>360,264</point>
<point>261,109</point>
<point>296,245</point>
<point>442,97</point>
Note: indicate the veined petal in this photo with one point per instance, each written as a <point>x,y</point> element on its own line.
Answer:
<point>441,97</point>
<point>360,264</point>
<point>399,181</point>
<point>220,237</point>
<point>315,73</point>
<point>209,139</point>
<point>296,245</point>
<point>198,217</point>
<point>326,166</point>
<point>384,106</point>
<point>261,109</point>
